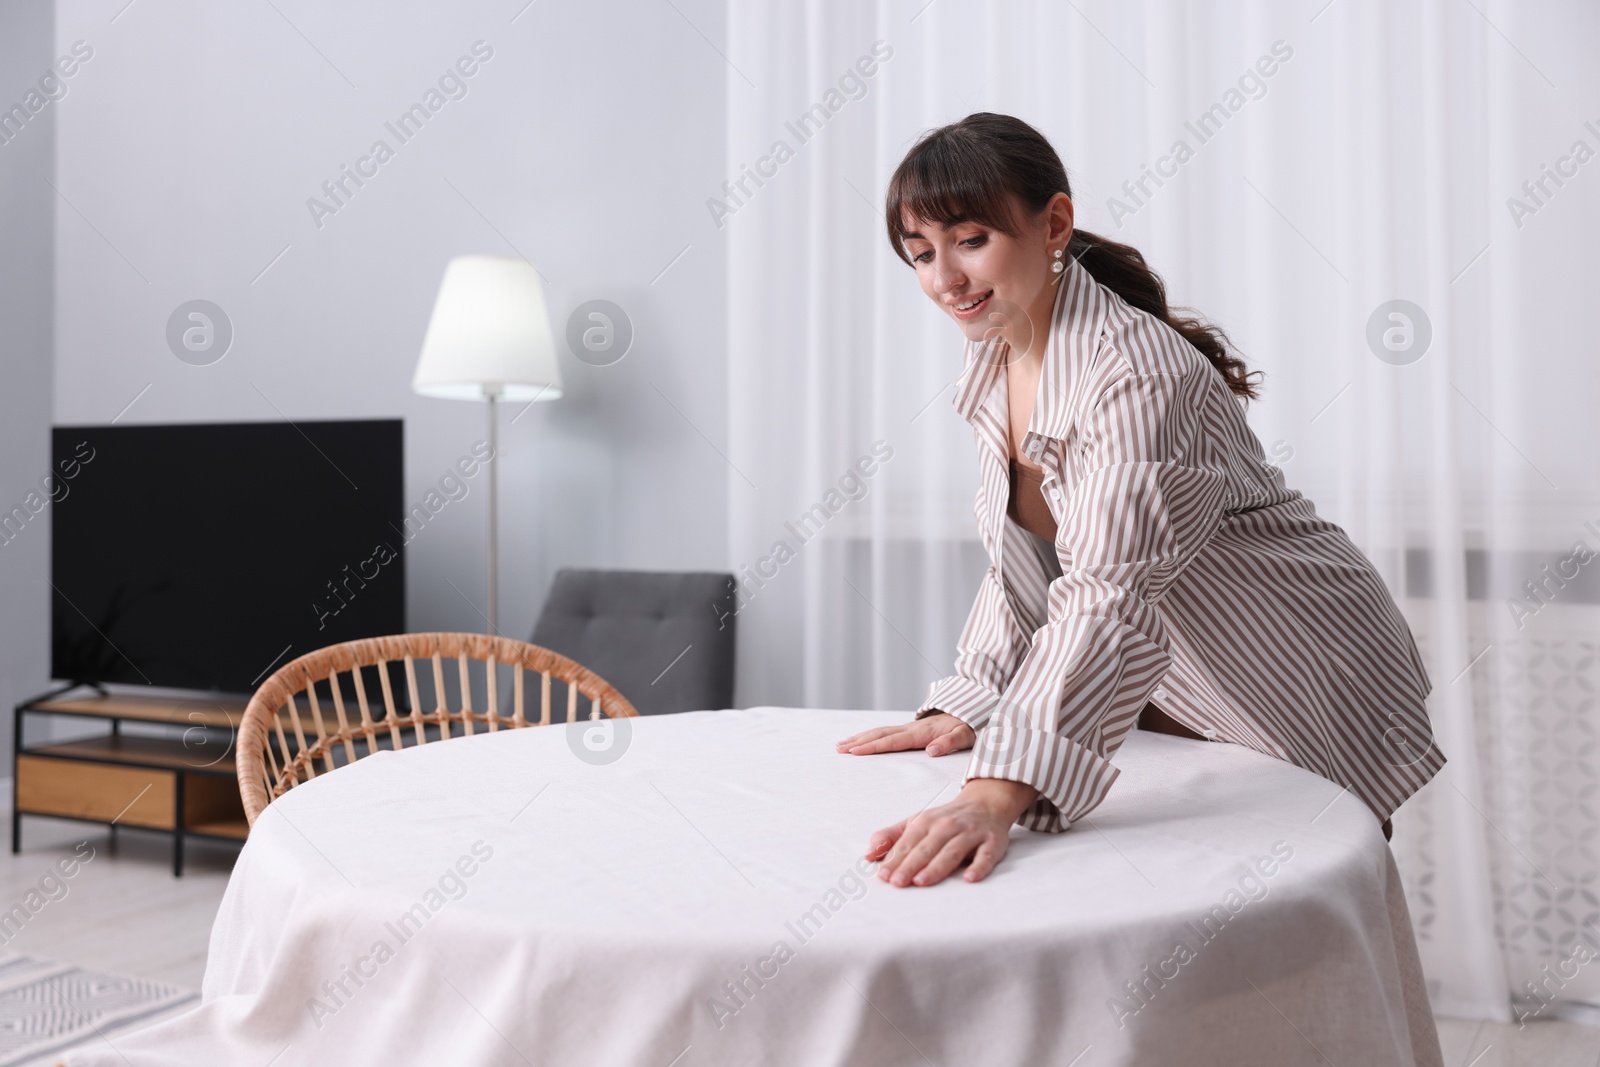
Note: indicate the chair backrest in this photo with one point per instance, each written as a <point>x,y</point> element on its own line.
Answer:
<point>286,729</point>
<point>664,638</point>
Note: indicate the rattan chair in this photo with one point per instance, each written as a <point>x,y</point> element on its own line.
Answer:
<point>286,730</point>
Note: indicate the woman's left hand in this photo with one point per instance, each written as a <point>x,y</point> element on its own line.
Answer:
<point>925,848</point>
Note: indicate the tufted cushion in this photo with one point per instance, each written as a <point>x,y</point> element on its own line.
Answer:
<point>631,626</point>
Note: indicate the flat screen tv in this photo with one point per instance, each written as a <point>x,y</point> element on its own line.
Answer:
<point>205,556</point>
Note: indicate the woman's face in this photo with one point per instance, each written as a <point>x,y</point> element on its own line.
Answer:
<point>985,279</point>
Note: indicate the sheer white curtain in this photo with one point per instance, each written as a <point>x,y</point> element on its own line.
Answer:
<point>1383,158</point>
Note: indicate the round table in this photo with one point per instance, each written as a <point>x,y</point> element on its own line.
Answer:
<point>687,890</point>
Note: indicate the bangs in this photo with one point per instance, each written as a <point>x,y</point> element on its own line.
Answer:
<point>947,179</point>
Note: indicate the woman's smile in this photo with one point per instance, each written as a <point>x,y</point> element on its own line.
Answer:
<point>969,307</point>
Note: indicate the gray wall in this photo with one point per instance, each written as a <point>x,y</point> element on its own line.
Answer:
<point>189,145</point>
<point>27,254</point>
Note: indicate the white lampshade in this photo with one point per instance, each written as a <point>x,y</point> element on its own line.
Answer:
<point>489,334</point>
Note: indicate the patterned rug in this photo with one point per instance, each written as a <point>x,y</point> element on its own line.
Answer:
<point>46,1008</point>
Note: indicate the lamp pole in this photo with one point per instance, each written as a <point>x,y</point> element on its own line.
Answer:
<point>492,394</point>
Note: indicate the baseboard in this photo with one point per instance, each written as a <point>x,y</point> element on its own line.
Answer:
<point>1576,1011</point>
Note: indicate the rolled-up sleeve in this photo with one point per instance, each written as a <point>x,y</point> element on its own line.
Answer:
<point>987,653</point>
<point>1142,508</point>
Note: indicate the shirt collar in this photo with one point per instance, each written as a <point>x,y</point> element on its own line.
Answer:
<point>1075,323</point>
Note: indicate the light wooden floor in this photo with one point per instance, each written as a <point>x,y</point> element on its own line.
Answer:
<point>1542,1043</point>
<point>124,912</point>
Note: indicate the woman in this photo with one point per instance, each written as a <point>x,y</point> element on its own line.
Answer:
<point>1146,562</point>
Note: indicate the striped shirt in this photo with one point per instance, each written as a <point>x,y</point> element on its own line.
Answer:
<point>1184,573</point>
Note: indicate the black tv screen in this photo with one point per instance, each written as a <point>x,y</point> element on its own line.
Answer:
<point>206,556</point>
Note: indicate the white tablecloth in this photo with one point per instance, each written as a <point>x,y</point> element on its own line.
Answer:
<point>700,900</point>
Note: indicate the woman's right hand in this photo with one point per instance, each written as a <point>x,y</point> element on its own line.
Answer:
<point>938,734</point>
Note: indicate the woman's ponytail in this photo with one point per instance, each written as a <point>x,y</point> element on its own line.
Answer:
<point>1122,269</point>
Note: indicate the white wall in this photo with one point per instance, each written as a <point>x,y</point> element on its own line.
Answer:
<point>191,142</point>
<point>26,251</point>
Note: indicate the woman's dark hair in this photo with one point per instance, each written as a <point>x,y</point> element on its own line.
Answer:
<point>969,170</point>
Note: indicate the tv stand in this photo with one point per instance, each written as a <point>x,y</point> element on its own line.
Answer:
<point>178,779</point>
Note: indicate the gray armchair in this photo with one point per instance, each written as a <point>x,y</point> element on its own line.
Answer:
<point>664,639</point>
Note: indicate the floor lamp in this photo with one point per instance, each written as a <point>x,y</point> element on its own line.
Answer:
<point>489,339</point>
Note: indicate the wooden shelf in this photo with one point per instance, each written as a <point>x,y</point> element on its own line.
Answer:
<point>140,752</point>
<point>222,713</point>
<point>156,783</point>
<point>97,792</point>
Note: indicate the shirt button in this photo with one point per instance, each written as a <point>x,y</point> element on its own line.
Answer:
<point>1161,694</point>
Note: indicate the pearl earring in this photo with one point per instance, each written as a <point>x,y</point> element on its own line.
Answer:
<point>1058,266</point>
